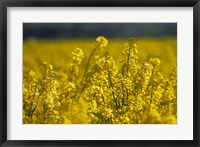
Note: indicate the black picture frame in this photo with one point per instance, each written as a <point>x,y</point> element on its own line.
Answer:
<point>97,3</point>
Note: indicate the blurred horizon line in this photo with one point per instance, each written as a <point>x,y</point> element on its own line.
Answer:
<point>92,30</point>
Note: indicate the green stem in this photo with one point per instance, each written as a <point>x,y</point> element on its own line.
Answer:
<point>113,94</point>
<point>87,65</point>
<point>128,60</point>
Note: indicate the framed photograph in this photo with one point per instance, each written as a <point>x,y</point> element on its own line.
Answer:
<point>105,73</point>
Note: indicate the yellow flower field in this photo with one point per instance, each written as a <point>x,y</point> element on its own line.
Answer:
<point>100,81</point>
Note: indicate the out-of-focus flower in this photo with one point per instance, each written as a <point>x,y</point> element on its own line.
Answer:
<point>102,41</point>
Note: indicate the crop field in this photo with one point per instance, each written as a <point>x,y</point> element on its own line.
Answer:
<point>100,81</point>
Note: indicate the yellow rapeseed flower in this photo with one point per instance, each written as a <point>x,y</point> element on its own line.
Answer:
<point>102,41</point>
<point>155,61</point>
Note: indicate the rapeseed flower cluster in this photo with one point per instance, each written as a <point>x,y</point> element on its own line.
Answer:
<point>95,89</point>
